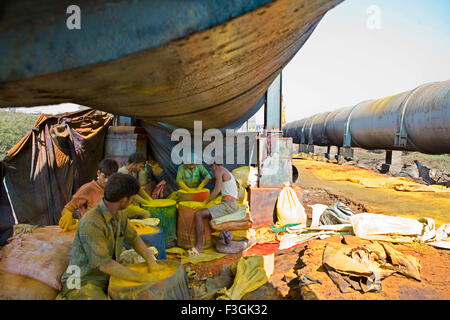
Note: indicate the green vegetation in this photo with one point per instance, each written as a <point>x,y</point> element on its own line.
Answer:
<point>13,126</point>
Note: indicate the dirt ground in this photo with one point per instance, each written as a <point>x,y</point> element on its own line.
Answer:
<point>306,259</point>
<point>434,282</point>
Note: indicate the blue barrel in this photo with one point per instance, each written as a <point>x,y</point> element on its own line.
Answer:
<point>156,240</point>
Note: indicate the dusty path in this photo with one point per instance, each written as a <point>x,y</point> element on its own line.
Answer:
<point>307,259</point>
<point>384,201</point>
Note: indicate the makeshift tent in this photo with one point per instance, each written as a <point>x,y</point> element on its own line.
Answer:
<point>159,136</point>
<point>61,153</point>
<point>51,162</point>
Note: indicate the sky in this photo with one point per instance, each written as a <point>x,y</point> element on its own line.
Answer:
<point>347,60</point>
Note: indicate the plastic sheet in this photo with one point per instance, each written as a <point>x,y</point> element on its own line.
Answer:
<point>289,207</point>
<point>250,274</point>
<point>170,284</point>
<point>42,255</point>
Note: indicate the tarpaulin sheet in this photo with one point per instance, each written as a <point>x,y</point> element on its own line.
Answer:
<point>48,171</point>
<point>159,136</point>
<point>6,215</point>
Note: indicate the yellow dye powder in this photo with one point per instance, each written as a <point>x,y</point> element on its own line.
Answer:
<point>200,205</point>
<point>388,201</point>
<point>142,228</point>
<point>332,172</point>
<point>165,272</point>
<point>160,203</point>
<point>193,191</point>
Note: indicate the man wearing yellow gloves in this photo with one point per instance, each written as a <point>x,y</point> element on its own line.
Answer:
<point>99,241</point>
<point>89,195</point>
<point>190,177</point>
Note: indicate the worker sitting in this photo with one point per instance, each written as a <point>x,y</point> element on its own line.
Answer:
<point>135,168</point>
<point>226,185</point>
<point>191,177</point>
<point>157,188</point>
<point>89,195</point>
<point>99,241</point>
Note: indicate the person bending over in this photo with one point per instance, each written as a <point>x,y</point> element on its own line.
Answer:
<point>89,195</point>
<point>99,241</point>
<point>190,177</point>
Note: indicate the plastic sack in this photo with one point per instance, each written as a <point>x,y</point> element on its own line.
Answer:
<point>43,255</point>
<point>241,175</point>
<point>250,274</point>
<point>171,283</point>
<point>372,226</point>
<point>337,213</point>
<point>289,208</point>
<point>243,224</point>
<point>186,225</point>
<point>15,287</point>
<point>238,215</point>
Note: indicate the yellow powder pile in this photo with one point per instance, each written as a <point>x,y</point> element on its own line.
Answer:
<point>165,272</point>
<point>200,205</point>
<point>160,203</point>
<point>142,228</point>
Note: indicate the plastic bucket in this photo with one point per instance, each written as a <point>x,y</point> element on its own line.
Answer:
<point>199,196</point>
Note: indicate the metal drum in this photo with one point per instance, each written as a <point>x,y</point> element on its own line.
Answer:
<point>166,211</point>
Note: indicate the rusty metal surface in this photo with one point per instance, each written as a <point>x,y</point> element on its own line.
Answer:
<point>262,202</point>
<point>417,120</point>
<point>216,75</point>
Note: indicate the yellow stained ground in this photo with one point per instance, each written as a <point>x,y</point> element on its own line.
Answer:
<point>331,177</point>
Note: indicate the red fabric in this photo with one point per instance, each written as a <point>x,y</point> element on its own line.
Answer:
<point>262,249</point>
<point>160,191</point>
<point>229,198</point>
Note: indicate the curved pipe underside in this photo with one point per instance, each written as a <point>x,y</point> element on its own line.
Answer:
<point>215,70</point>
<point>416,120</point>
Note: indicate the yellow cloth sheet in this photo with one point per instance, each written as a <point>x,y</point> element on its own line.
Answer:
<point>369,178</point>
<point>206,255</point>
<point>251,273</point>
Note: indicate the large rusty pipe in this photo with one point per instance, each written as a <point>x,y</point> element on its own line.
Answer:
<point>416,120</point>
